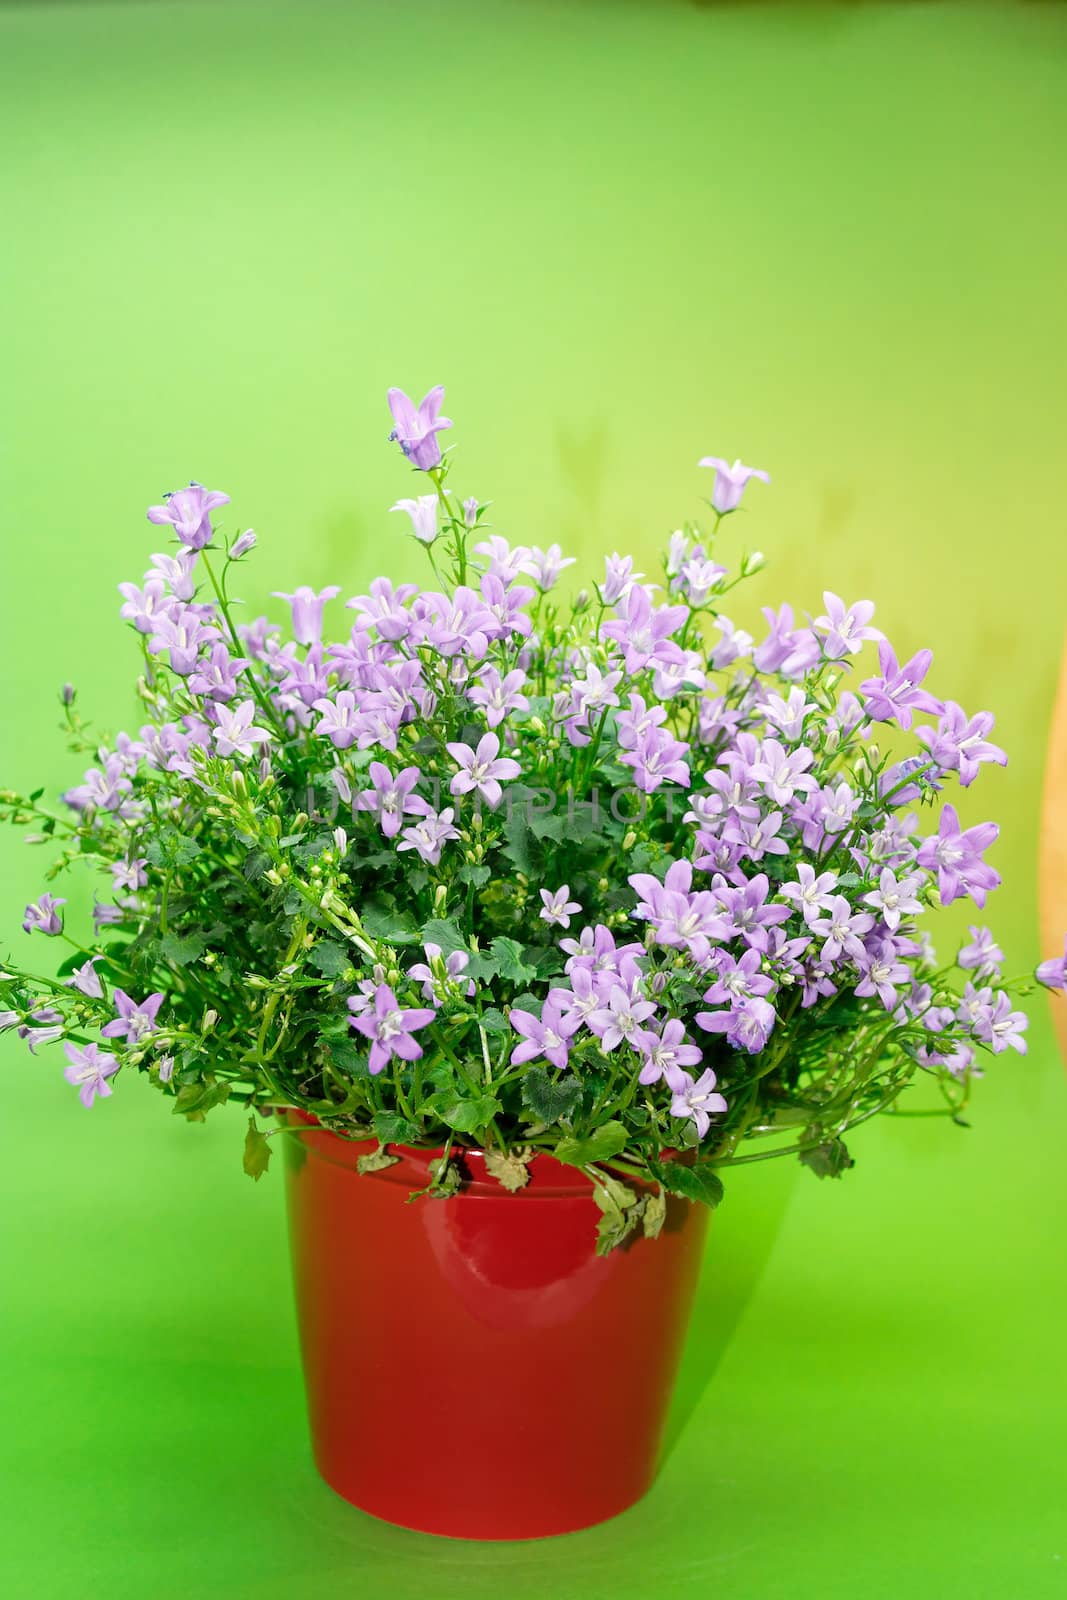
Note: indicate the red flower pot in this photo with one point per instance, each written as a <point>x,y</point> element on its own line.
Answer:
<point>472,1367</point>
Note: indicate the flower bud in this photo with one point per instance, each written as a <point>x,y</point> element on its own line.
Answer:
<point>340,839</point>
<point>629,840</point>
<point>209,1020</point>
<point>581,600</point>
<point>752,563</point>
<point>242,545</point>
<point>658,982</point>
<point>67,694</point>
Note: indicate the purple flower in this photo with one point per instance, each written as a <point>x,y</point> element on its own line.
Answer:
<point>391,799</point>
<point>619,1021</point>
<point>89,1070</point>
<point>504,562</point>
<point>845,628</point>
<point>730,482</point>
<point>959,743</point>
<point>782,772</point>
<point>189,512</point>
<point>747,1025</point>
<point>957,856</point>
<point>982,956</point>
<point>340,720</point>
<point>545,566</point>
<point>42,916</point>
<point>182,633</point>
<point>481,769</point>
<point>882,972</point>
<point>143,607</point>
<point>130,874</point>
<point>216,677</point>
<point>236,734</point>
<point>656,760</point>
<point>895,694</point>
<point>498,696</point>
<point>307,608</point>
<point>737,980</point>
<point>643,634</point>
<point>666,1053</point>
<point>391,1029</point>
<point>452,970</point>
<point>746,909</point>
<point>558,908</point>
<point>176,572</point>
<point>1001,1027</point>
<point>811,892</point>
<point>548,1035</point>
<point>240,547</point>
<point>423,514</point>
<point>429,834</point>
<point>1053,973</point>
<point>696,1100</point>
<point>619,578</point>
<point>136,1018</point>
<point>893,898</point>
<point>47,1027</point>
<point>86,979</point>
<point>504,606</point>
<point>416,428</point>
<point>841,929</point>
<point>788,715</point>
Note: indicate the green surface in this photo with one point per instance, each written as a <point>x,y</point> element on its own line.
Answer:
<point>829,240</point>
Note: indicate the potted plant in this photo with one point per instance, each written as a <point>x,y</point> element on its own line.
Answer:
<point>518,921</point>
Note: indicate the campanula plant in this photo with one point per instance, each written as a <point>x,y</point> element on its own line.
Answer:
<point>482,866</point>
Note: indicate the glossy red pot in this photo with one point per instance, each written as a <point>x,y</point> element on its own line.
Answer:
<point>473,1368</point>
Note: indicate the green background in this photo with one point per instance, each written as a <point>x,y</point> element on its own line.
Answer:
<point>831,240</point>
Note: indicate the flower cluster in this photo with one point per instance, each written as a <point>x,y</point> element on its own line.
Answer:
<point>604,875</point>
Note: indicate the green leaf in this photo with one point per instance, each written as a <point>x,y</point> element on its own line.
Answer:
<point>654,1214</point>
<point>392,1128</point>
<point>493,1021</point>
<point>545,963</point>
<point>620,1208</point>
<point>828,1160</point>
<point>376,1160</point>
<point>382,922</point>
<point>257,1151</point>
<point>478,875</point>
<point>171,849</point>
<point>600,1145</point>
<point>464,1113</point>
<point>507,955</point>
<point>196,1099</point>
<point>446,934</point>
<point>521,846</point>
<point>347,1056</point>
<point>445,1180</point>
<point>549,1097</point>
<point>511,1170</point>
<point>181,949</point>
<point>329,958</point>
<point>256,864</point>
<point>697,1182</point>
